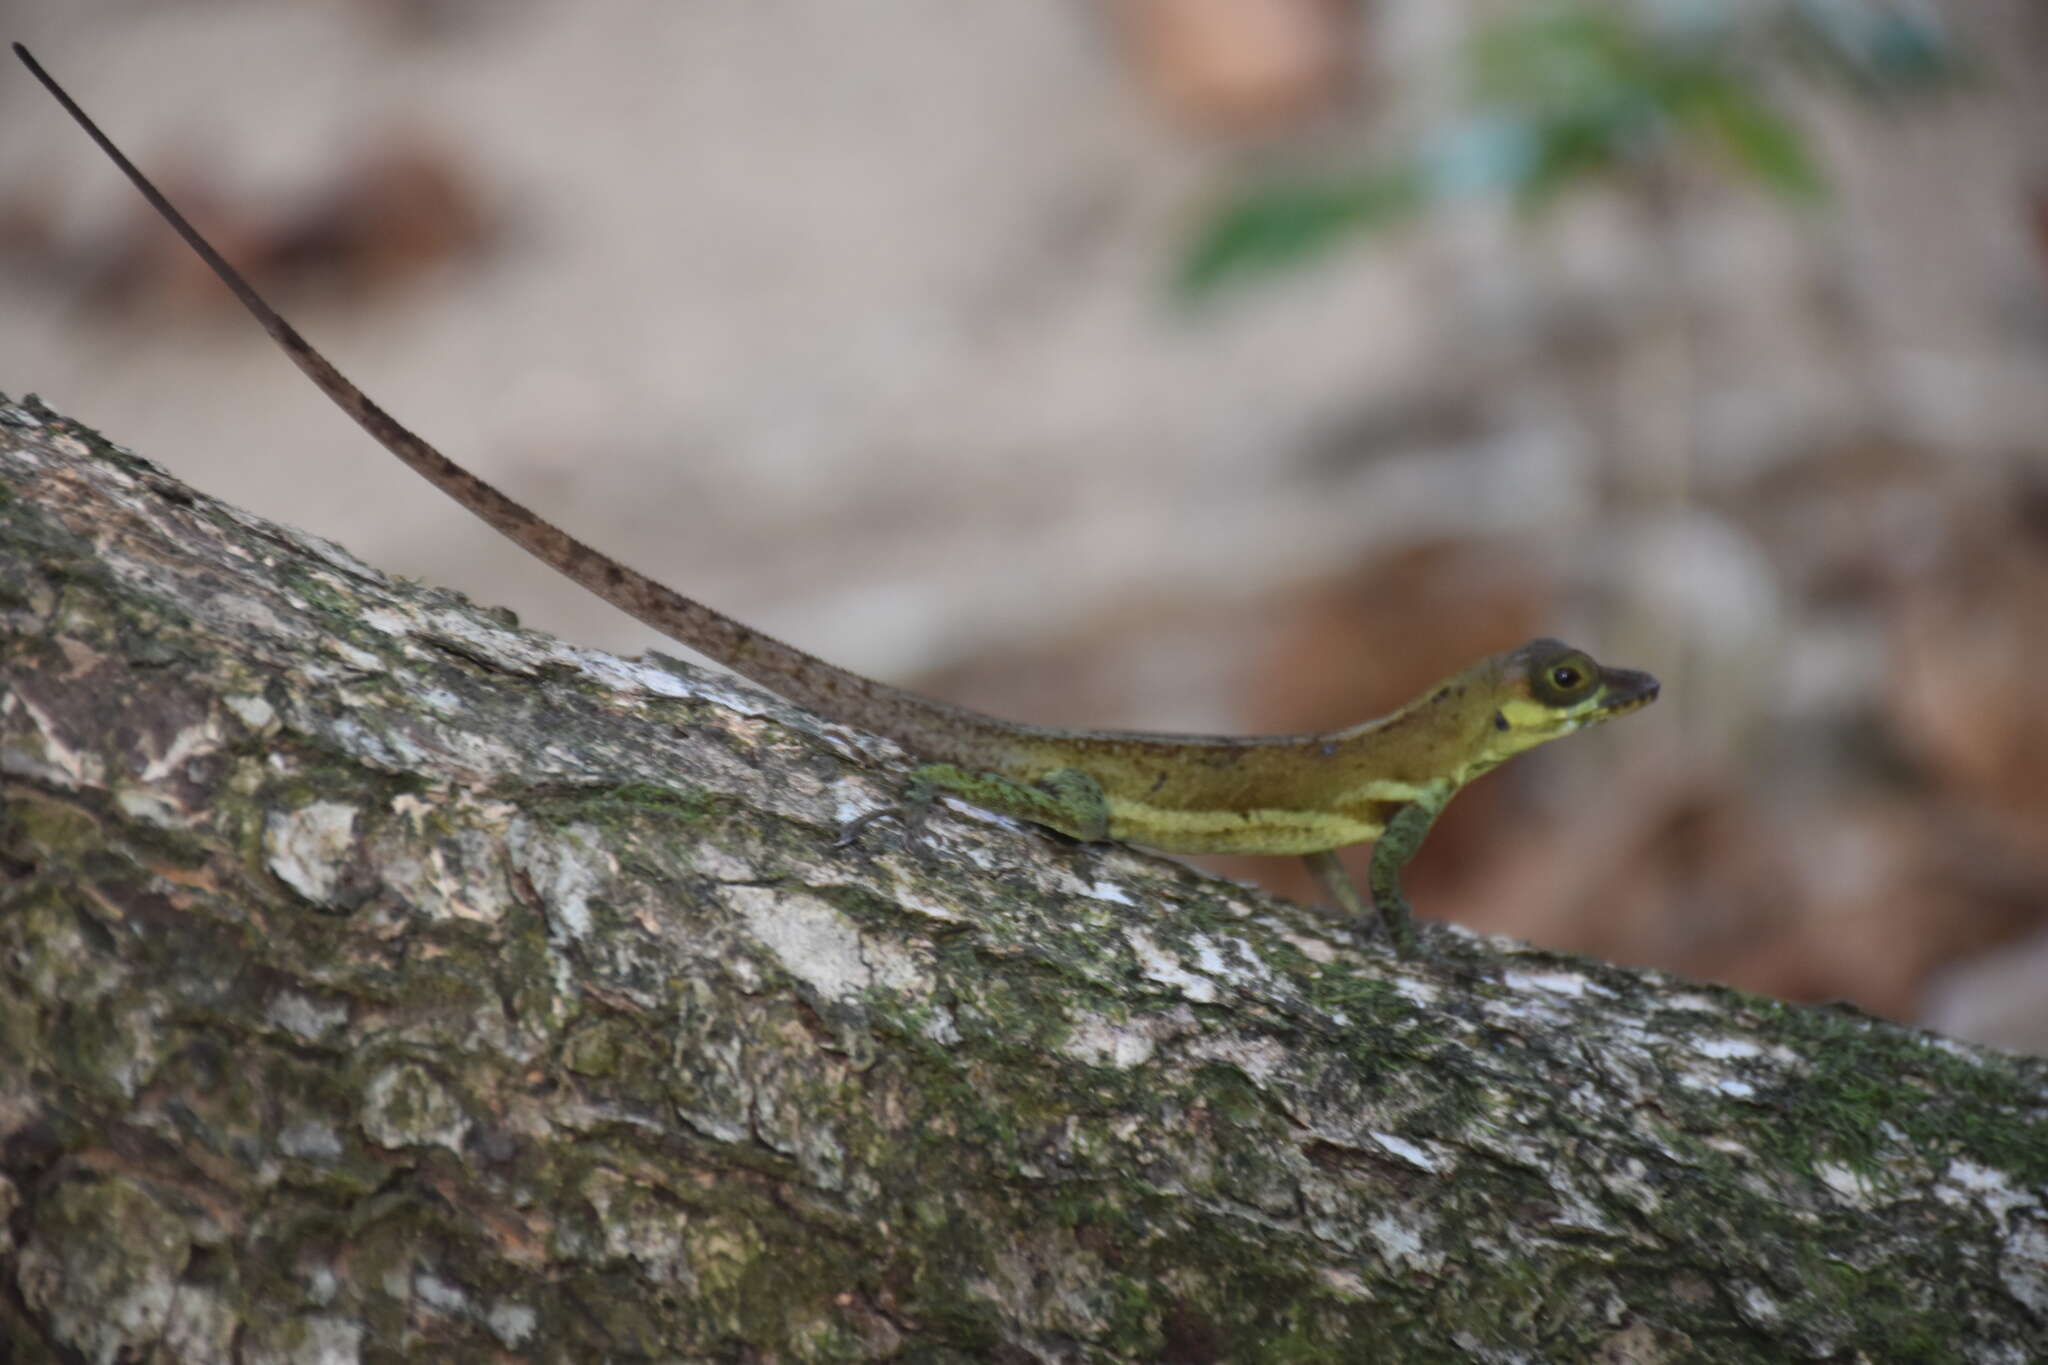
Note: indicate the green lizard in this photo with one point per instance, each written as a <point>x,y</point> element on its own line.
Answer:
<point>1383,781</point>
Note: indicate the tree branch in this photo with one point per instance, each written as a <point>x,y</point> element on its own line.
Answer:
<point>379,979</point>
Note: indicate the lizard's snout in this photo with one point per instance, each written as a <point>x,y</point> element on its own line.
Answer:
<point>1628,688</point>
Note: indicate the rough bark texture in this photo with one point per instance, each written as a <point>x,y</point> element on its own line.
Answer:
<point>379,981</point>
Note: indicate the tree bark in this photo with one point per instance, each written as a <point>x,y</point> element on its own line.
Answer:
<point>380,981</point>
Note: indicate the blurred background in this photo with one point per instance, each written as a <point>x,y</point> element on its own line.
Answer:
<point>1222,365</point>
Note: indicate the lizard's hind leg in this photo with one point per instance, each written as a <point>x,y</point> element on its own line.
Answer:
<point>1069,800</point>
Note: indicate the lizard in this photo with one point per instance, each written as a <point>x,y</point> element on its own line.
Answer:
<point>1383,781</point>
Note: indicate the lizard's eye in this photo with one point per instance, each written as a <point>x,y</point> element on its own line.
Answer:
<point>1564,679</point>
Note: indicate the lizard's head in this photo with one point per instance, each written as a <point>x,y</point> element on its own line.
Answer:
<point>1547,689</point>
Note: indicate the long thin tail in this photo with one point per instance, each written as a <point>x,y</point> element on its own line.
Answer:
<point>934,728</point>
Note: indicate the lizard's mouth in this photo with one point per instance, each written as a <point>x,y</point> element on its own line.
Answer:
<point>1624,690</point>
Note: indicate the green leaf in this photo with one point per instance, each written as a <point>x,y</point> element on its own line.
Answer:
<point>1280,225</point>
<point>1565,93</point>
<point>1758,138</point>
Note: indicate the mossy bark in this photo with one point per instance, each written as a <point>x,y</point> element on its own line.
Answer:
<point>381,982</point>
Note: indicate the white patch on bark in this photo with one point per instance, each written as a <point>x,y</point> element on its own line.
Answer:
<point>361,660</point>
<point>1164,967</point>
<point>566,867</point>
<point>57,763</point>
<point>1757,1307</point>
<point>151,808</point>
<point>101,1265</point>
<point>1098,1041</point>
<point>1316,950</point>
<point>2023,1268</point>
<point>821,947</point>
<point>1228,961</point>
<point>634,675</point>
<point>306,847</point>
<point>511,1323</point>
<point>1727,1049</point>
<point>201,1330</point>
<point>387,621</point>
<point>1417,992</point>
<point>473,888</point>
<point>439,1294</point>
<point>1966,1182</point>
<point>404,1106</point>
<point>1407,1151</point>
<point>305,1018</point>
<point>188,743</point>
<point>252,710</point>
<point>1111,892</point>
<point>1851,1186</point>
<point>904,899</point>
<point>1573,985</point>
<point>310,1140</point>
<point>506,650</point>
<point>441,701</point>
<point>255,615</point>
<point>306,1341</point>
<point>1257,1059</point>
<point>1403,1246</point>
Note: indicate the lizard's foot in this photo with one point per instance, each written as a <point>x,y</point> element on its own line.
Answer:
<point>850,832</point>
<point>1401,928</point>
<point>1391,908</point>
<point>912,810</point>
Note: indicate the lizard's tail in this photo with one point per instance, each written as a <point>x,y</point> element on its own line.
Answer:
<point>932,728</point>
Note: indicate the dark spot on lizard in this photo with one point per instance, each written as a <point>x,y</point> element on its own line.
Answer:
<point>1441,693</point>
<point>1329,749</point>
<point>1500,720</point>
<point>1157,783</point>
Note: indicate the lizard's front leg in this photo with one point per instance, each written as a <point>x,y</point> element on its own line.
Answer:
<point>1397,843</point>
